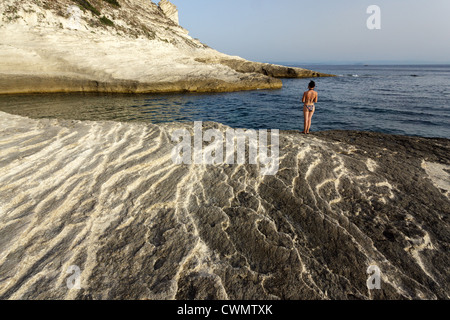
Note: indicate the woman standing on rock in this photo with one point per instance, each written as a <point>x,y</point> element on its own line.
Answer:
<point>309,98</point>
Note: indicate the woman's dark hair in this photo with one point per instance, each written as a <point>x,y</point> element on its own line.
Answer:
<point>312,85</point>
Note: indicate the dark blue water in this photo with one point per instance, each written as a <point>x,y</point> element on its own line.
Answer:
<point>407,100</point>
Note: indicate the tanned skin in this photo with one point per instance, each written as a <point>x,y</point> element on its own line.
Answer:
<point>309,98</point>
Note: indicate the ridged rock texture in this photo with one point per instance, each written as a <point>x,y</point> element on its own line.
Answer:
<point>170,10</point>
<point>107,197</point>
<point>128,46</point>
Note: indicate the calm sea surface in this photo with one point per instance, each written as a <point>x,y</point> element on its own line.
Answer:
<point>407,100</point>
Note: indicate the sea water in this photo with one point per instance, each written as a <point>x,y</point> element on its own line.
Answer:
<point>407,100</point>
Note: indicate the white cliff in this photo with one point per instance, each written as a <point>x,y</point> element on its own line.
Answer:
<point>79,45</point>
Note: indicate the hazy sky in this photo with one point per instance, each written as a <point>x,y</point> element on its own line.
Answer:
<point>321,30</point>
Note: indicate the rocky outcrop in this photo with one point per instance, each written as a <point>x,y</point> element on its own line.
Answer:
<point>267,69</point>
<point>130,46</point>
<point>170,10</point>
<point>107,198</point>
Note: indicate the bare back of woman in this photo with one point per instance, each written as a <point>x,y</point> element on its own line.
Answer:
<point>309,98</point>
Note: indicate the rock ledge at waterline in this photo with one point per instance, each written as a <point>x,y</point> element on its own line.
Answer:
<point>137,47</point>
<point>107,197</point>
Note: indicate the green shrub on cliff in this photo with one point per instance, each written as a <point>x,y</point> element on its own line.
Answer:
<point>106,21</point>
<point>86,5</point>
<point>113,2</point>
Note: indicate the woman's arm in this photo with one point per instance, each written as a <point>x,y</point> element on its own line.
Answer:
<point>317,97</point>
<point>304,97</point>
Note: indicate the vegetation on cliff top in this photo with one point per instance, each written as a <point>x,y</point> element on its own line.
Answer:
<point>88,6</point>
<point>113,2</point>
<point>84,4</point>
<point>106,21</point>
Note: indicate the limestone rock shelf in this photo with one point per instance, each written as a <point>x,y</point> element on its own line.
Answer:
<point>106,197</point>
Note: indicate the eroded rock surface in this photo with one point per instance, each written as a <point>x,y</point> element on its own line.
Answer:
<point>170,10</point>
<point>107,197</point>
